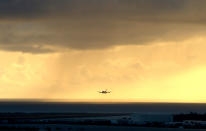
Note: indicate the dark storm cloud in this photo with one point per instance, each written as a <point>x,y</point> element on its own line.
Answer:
<point>32,25</point>
<point>33,9</point>
<point>19,9</point>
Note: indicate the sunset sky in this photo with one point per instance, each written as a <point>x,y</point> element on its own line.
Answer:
<point>141,50</point>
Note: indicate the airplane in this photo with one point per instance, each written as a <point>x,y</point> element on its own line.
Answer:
<point>104,92</point>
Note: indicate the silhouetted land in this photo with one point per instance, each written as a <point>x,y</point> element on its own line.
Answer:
<point>28,120</point>
<point>105,116</point>
<point>190,116</point>
<point>9,116</point>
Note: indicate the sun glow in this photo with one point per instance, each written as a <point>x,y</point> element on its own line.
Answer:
<point>186,86</point>
<point>160,72</point>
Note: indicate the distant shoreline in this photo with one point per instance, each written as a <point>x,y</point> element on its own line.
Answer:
<point>92,107</point>
<point>61,120</point>
<point>82,102</point>
<point>107,101</point>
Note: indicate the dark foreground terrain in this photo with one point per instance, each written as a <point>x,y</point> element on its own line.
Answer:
<point>66,116</point>
<point>88,128</point>
<point>101,121</point>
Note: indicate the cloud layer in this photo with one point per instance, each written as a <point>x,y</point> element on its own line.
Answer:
<point>38,26</point>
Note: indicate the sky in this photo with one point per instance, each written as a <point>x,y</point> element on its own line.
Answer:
<point>141,50</point>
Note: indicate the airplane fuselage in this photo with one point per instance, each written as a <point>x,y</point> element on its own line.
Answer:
<point>104,92</point>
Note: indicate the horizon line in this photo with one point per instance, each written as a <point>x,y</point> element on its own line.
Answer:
<point>100,101</point>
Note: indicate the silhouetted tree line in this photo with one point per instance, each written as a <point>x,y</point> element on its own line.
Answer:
<point>20,115</point>
<point>190,116</point>
<point>84,122</point>
<point>6,128</point>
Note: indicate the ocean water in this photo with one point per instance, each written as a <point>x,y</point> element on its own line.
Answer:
<point>85,107</point>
